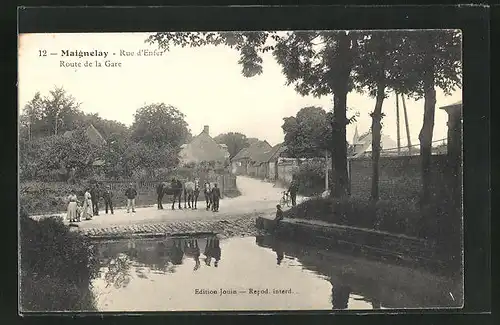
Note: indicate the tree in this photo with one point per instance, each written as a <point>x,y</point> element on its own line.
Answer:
<point>50,115</point>
<point>234,141</point>
<point>60,154</point>
<point>379,53</point>
<point>308,134</point>
<point>160,124</point>
<point>317,63</point>
<point>150,156</point>
<point>32,114</point>
<point>434,60</point>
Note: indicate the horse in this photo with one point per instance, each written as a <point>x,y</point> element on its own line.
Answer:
<point>191,194</point>
<point>191,249</point>
<point>207,191</point>
<point>173,188</point>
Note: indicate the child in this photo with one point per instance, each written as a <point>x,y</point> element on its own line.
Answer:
<point>279,216</point>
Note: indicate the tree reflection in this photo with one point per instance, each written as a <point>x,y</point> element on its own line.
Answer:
<point>118,271</point>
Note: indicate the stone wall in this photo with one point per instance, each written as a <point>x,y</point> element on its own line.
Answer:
<point>400,176</point>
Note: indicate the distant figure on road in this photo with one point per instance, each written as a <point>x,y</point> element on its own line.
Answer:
<point>108,199</point>
<point>215,198</point>
<point>131,193</point>
<point>207,191</point>
<point>293,189</point>
<point>72,207</point>
<point>87,205</point>
<point>95,193</point>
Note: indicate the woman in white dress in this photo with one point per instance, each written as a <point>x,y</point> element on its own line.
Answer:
<point>87,205</point>
<point>72,207</point>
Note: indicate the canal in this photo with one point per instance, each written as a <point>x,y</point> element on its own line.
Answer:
<point>208,273</point>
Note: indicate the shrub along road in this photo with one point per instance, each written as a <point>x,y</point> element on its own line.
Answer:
<point>236,215</point>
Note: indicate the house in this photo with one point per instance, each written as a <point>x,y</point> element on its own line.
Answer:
<point>454,139</point>
<point>362,145</point>
<point>267,162</point>
<point>92,133</point>
<point>247,160</point>
<point>203,148</point>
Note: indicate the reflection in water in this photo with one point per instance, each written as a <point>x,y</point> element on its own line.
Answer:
<point>340,296</point>
<point>212,250</point>
<point>158,275</point>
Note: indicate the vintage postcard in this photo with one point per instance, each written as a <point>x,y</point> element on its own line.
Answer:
<point>240,171</point>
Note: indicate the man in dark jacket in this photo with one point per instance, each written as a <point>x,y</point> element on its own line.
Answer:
<point>108,199</point>
<point>293,189</point>
<point>131,193</point>
<point>215,198</point>
<point>95,195</point>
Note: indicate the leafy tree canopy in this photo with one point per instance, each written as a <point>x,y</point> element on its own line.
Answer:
<point>234,141</point>
<point>160,124</point>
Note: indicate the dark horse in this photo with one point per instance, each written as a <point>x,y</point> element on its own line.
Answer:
<point>173,188</point>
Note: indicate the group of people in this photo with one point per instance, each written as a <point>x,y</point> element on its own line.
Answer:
<point>89,207</point>
<point>212,196</point>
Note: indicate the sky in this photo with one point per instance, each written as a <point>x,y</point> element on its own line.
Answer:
<point>205,84</point>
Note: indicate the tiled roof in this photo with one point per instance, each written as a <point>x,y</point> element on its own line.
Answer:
<point>202,148</point>
<point>254,152</point>
<point>459,103</point>
<point>270,154</point>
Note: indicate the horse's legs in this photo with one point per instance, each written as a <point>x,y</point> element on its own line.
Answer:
<point>180,196</point>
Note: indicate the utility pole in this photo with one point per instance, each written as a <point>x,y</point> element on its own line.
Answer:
<point>407,125</point>
<point>397,124</point>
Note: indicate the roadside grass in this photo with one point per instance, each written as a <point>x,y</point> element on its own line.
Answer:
<point>394,216</point>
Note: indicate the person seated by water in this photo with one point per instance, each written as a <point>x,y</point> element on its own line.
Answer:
<point>279,214</point>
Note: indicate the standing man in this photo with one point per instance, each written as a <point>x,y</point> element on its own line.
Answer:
<point>108,199</point>
<point>293,189</point>
<point>207,192</point>
<point>215,198</point>
<point>159,198</point>
<point>95,195</point>
<point>131,193</point>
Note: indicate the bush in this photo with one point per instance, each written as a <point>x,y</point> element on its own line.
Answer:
<point>391,216</point>
<point>57,266</point>
<point>311,178</point>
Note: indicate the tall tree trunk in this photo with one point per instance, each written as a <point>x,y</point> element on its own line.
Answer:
<point>376,136</point>
<point>340,181</point>
<point>339,154</point>
<point>425,136</point>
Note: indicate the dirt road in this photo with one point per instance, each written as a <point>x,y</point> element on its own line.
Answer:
<point>257,197</point>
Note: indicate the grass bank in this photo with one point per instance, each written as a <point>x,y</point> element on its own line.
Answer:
<point>395,216</point>
<point>57,267</point>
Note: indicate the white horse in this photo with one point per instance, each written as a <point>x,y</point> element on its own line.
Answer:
<point>191,194</point>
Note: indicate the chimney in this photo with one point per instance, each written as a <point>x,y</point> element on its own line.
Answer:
<point>206,130</point>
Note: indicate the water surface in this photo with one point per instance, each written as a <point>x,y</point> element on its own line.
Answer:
<point>256,273</point>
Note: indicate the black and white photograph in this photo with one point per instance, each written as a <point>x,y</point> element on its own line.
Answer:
<point>236,170</point>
